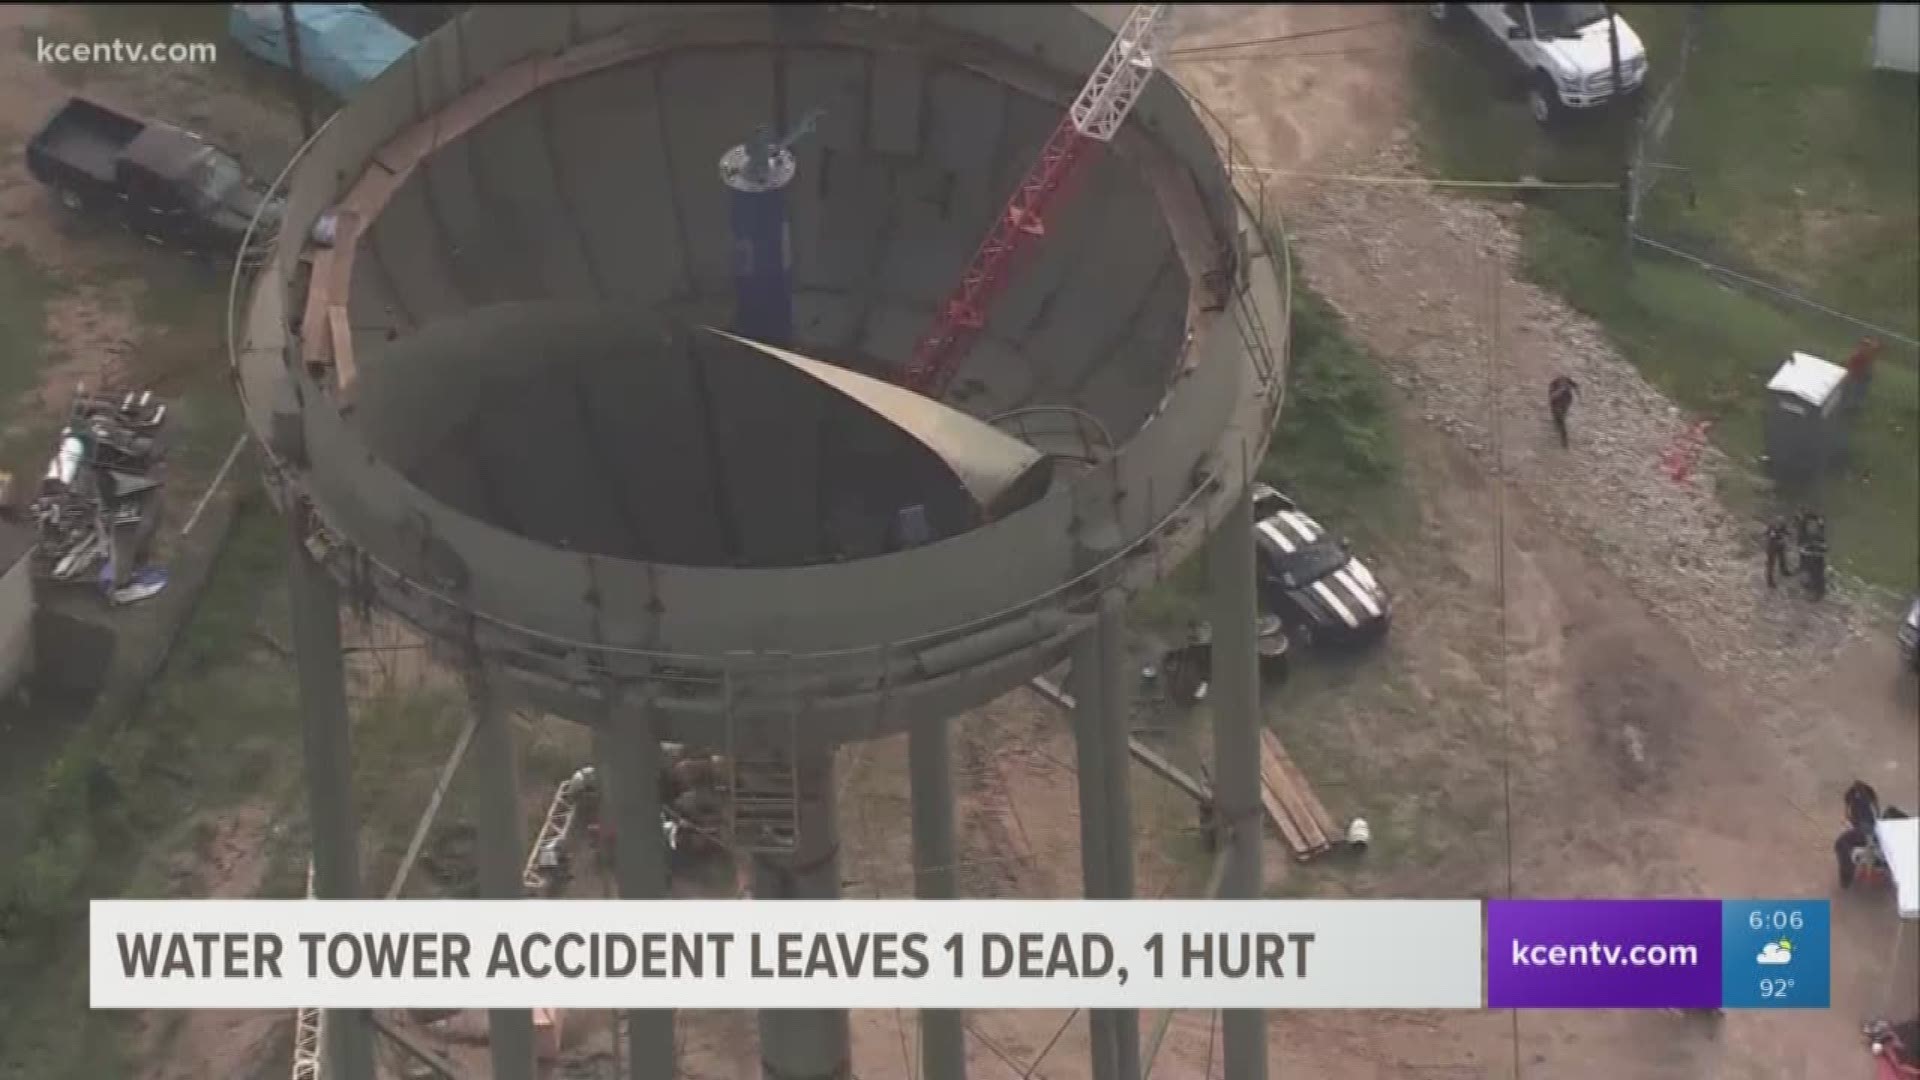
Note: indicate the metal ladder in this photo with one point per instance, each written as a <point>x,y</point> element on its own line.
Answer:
<point>763,789</point>
<point>307,1032</point>
<point>554,831</point>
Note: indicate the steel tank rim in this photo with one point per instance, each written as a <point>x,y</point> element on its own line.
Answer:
<point>589,665</point>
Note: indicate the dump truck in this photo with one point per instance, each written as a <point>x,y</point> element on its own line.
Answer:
<point>162,182</point>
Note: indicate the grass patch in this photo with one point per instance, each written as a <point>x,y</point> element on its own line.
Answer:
<point>130,811</point>
<point>1334,448</point>
<point>219,725</point>
<point>1779,114</point>
<point>1803,159</point>
<point>25,289</point>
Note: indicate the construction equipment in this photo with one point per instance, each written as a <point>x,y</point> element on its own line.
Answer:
<point>1095,116</point>
<point>97,497</point>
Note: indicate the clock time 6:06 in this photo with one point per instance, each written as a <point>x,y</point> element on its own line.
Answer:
<point>1775,920</point>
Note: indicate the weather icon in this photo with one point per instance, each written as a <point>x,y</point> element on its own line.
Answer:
<point>1776,952</point>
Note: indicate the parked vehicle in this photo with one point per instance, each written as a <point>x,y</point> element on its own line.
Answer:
<point>1310,579</point>
<point>342,46</point>
<point>163,182</point>
<point>1563,50</point>
<point>1910,635</point>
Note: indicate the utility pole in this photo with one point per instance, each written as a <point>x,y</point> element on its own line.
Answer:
<point>1626,123</point>
<point>297,71</point>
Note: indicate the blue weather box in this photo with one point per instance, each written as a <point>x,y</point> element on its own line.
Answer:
<point>1775,954</point>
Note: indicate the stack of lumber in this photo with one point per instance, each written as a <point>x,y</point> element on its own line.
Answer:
<point>1291,804</point>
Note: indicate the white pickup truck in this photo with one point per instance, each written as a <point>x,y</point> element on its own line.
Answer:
<point>1563,49</point>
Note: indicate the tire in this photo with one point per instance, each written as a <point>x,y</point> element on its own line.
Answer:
<point>1543,99</point>
<point>71,199</point>
<point>1274,670</point>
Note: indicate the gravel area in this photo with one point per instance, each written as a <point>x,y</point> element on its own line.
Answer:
<point>1415,272</point>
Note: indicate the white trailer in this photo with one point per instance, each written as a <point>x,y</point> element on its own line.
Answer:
<point>1896,38</point>
<point>16,606</point>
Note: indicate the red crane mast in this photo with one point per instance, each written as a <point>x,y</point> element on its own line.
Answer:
<point>1094,117</point>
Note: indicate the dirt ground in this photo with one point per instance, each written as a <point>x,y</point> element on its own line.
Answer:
<point>1585,671</point>
<point>1589,691</point>
<point>96,334</point>
<point>1671,727</point>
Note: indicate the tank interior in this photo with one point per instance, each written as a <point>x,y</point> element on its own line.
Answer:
<point>579,428</point>
<point>525,308</point>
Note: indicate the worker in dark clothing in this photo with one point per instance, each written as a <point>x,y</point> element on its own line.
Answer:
<point>1863,805</point>
<point>1809,523</point>
<point>1813,564</point>
<point>1777,553</point>
<point>1852,851</point>
<point>1813,552</point>
<point>1560,393</point>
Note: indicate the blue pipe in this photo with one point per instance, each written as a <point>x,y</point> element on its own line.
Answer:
<point>762,265</point>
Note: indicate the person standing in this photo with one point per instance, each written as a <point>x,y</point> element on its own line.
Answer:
<point>1860,374</point>
<point>1813,556</point>
<point>1560,394</point>
<point>1777,552</point>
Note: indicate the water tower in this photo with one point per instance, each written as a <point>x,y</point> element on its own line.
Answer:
<point>488,407</point>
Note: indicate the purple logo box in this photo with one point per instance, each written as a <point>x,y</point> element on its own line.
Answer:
<point>1603,954</point>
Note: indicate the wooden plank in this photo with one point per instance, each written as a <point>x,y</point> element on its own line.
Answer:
<point>341,331</point>
<point>1314,806</point>
<point>1166,770</point>
<point>1292,816</point>
<point>313,318</point>
<point>1308,799</point>
<point>1145,755</point>
<point>1272,761</point>
<point>1282,821</point>
<point>1272,795</point>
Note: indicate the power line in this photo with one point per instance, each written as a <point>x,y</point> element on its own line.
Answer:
<point>1784,294</point>
<point>1493,352</point>
<point>1524,183</point>
<point>1316,54</point>
<point>1249,43</point>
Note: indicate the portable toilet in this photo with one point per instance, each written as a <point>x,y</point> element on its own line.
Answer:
<point>1805,432</point>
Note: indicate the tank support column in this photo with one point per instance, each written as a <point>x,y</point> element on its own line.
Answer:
<point>806,1044</point>
<point>943,1052</point>
<point>502,851</point>
<point>1235,695</point>
<point>1100,716</point>
<point>328,744</point>
<point>629,760</point>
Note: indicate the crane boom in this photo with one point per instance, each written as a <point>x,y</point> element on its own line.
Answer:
<point>1095,116</point>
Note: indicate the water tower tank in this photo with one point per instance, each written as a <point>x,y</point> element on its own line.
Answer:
<point>488,405</point>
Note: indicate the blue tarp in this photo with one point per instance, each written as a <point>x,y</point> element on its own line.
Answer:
<point>342,46</point>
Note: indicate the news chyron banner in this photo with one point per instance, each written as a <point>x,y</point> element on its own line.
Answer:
<point>1673,954</point>
<point>961,954</point>
<point>742,954</point>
